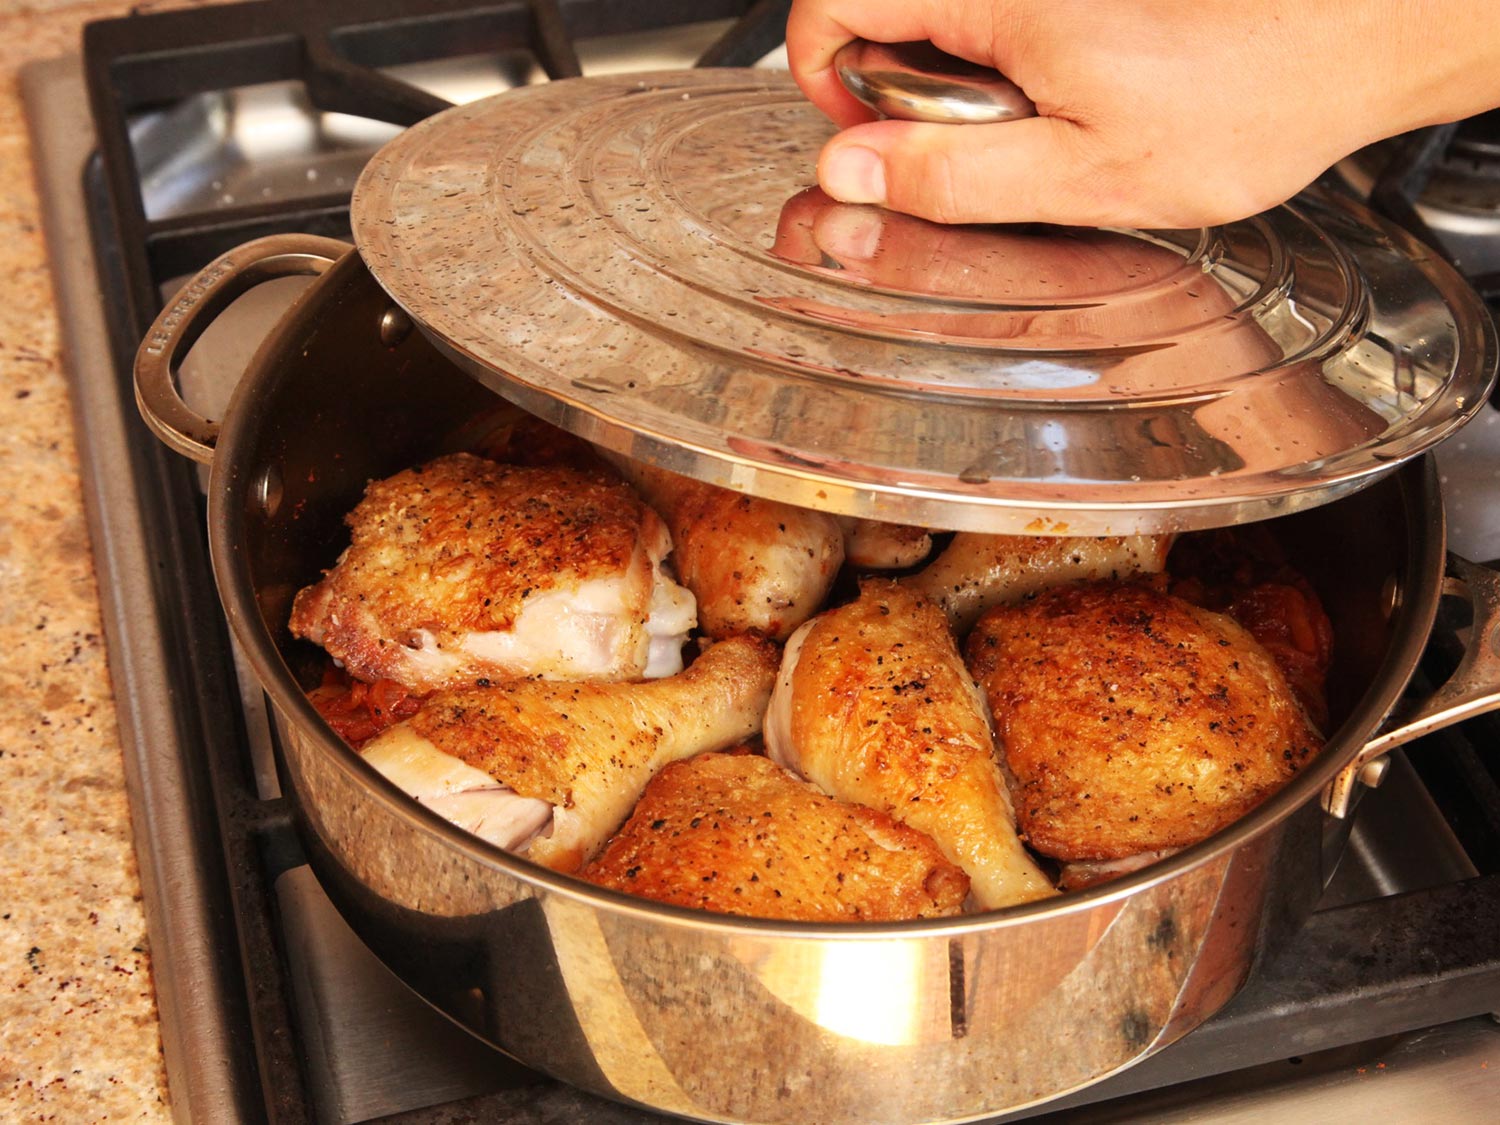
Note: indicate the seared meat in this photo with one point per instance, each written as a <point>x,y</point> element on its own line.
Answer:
<point>1132,721</point>
<point>463,569</point>
<point>873,705</point>
<point>1081,874</point>
<point>737,834</point>
<point>875,545</point>
<point>754,565</point>
<point>977,571</point>
<point>581,753</point>
<point>1244,572</point>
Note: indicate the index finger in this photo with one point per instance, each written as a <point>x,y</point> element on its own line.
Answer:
<point>816,29</point>
<point>814,34</point>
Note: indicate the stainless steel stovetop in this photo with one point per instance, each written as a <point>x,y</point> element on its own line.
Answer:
<point>271,1007</point>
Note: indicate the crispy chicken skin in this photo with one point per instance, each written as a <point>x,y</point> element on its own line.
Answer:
<point>754,565</point>
<point>1131,721</point>
<point>873,704</point>
<point>464,569</point>
<point>737,834</point>
<point>976,571</point>
<point>586,750</point>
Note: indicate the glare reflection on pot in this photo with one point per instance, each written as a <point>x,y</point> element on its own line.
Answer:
<point>869,991</point>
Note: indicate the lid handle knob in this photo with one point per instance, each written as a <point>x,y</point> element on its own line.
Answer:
<point>917,82</point>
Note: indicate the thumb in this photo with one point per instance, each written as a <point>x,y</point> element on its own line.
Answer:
<point>1014,171</point>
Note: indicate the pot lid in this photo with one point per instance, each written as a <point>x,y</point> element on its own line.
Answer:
<point>646,260</point>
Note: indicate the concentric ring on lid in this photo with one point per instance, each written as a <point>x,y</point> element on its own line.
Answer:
<point>647,261</point>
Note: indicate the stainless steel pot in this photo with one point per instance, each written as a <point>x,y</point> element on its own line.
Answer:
<point>733,1019</point>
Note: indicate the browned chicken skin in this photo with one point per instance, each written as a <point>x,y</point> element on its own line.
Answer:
<point>977,570</point>
<point>875,545</point>
<point>737,834</point>
<point>873,704</point>
<point>464,569</point>
<point>754,565</point>
<point>586,750</point>
<point>1131,721</point>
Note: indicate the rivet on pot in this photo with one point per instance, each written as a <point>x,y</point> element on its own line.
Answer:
<point>1373,772</point>
<point>1390,596</point>
<point>266,493</point>
<point>395,326</point>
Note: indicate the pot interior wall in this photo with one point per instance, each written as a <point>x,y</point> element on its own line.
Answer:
<point>329,407</point>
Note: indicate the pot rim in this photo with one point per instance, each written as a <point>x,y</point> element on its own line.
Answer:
<point>1412,620</point>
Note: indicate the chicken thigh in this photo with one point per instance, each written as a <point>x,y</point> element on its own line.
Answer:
<point>977,571</point>
<point>1132,721</point>
<point>754,565</point>
<point>737,834</point>
<point>464,569</point>
<point>551,769</point>
<point>873,704</point>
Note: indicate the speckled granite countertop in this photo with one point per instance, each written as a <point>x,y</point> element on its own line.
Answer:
<point>78,1020</point>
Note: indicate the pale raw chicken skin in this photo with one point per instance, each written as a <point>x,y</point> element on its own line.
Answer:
<point>465,570</point>
<point>754,565</point>
<point>977,570</point>
<point>584,752</point>
<point>470,798</point>
<point>873,704</point>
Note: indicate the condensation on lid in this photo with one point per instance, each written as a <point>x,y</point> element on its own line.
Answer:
<point>646,260</point>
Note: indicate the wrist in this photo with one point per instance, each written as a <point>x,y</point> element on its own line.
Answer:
<point>1445,59</point>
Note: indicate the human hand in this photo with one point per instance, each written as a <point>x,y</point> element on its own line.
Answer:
<point>1151,113</point>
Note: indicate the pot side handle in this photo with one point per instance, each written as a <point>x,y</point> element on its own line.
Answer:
<point>193,309</point>
<point>1473,689</point>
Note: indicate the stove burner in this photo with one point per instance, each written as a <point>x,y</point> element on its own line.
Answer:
<point>1442,184</point>
<point>1476,146</point>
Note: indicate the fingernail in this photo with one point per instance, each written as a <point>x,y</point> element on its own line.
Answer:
<point>854,174</point>
<point>849,233</point>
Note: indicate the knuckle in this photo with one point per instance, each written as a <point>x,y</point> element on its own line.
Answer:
<point>938,190</point>
<point>947,195</point>
<point>1149,184</point>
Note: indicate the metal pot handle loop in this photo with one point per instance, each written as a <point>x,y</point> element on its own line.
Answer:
<point>193,309</point>
<point>1473,689</point>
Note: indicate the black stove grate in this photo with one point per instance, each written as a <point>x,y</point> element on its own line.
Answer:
<point>1358,971</point>
<point>336,49</point>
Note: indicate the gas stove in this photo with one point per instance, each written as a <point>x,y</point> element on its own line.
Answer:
<point>1447,179</point>
<point>182,134</point>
